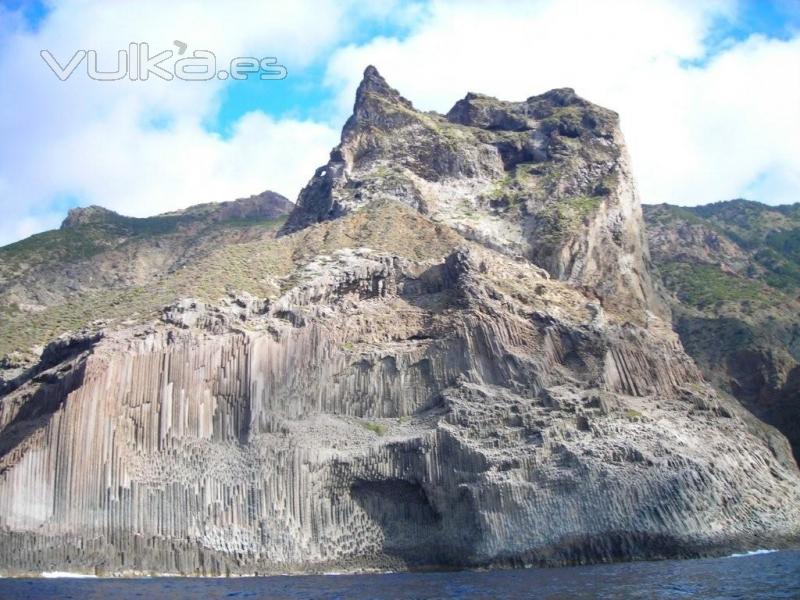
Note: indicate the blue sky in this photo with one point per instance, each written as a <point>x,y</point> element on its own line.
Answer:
<point>303,96</point>
<point>708,92</point>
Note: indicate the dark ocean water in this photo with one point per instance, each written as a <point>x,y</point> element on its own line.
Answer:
<point>754,577</point>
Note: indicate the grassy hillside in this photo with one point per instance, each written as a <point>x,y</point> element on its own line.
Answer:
<point>257,262</point>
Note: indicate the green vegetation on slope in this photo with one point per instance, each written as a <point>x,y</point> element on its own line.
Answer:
<point>705,285</point>
<point>377,428</point>
<point>667,214</point>
<point>579,207</point>
<point>770,235</point>
<point>242,266</point>
<point>781,273</point>
<point>558,220</point>
<point>53,246</point>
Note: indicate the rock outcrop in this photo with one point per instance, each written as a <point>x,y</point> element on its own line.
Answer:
<point>384,413</point>
<point>88,215</point>
<point>548,179</point>
<point>413,389</point>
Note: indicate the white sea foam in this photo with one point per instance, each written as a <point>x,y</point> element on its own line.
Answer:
<point>65,574</point>
<point>753,553</point>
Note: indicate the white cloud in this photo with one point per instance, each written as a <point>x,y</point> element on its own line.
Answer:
<point>697,134</point>
<point>150,171</point>
<point>93,140</point>
<point>727,128</point>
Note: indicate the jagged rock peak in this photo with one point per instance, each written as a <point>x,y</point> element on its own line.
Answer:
<point>374,83</point>
<point>546,179</point>
<point>487,112</point>
<point>561,97</point>
<point>86,215</point>
<point>376,105</point>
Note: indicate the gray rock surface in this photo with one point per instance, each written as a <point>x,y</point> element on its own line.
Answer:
<point>385,414</point>
<point>444,395</point>
<point>548,179</point>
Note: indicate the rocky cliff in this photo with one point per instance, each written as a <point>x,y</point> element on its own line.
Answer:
<point>451,355</point>
<point>546,179</point>
<point>731,271</point>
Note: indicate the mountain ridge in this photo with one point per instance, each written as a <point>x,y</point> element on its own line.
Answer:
<point>267,204</point>
<point>430,364</point>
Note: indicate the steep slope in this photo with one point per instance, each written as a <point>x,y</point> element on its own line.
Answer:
<point>101,265</point>
<point>732,271</point>
<point>384,387</point>
<point>547,179</point>
<point>97,248</point>
<point>384,413</point>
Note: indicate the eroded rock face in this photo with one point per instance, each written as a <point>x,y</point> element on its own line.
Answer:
<point>493,387</point>
<point>547,179</point>
<point>385,413</point>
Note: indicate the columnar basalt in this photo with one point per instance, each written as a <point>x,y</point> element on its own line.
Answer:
<point>505,398</point>
<point>401,415</point>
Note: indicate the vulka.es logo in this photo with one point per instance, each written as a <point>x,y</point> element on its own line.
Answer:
<point>137,64</point>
